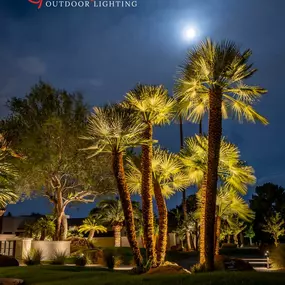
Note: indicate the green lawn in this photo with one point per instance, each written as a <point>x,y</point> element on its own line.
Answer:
<point>60,275</point>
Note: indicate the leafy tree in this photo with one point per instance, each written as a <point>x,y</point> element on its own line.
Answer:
<point>153,107</point>
<point>250,234</point>
<point>275,227</point>
<point>113,130</point>
<point>8,175</point>
<point>168,177</point>
<point>92,226</point>
<point>212,81</point>
<point>237,227</point>
<point>267,200</point>
<point>45,126</point>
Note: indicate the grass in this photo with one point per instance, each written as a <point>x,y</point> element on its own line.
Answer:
<point>66,275</point>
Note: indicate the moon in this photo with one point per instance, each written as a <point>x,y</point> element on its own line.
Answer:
<point>189,33</point>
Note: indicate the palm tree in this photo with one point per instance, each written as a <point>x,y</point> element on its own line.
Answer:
<point>212,81</point>
<point>250,234</point>
<point>111,212</point>
<point>92,226</point>
<point>8,175</point>
<point>229,204</point>
<point>231,170</point>
<point>168,177</point>
<point>113,129</point>
<point>154,107</point>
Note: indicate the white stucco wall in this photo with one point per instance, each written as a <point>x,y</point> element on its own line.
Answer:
<point>50,247</point>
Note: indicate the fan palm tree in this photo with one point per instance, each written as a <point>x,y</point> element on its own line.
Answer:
<point>154,107</point>
<point>111,212</point>
<point>8,175</point>
<point>168,177</point>
<point>231,171</point>
<point>92,226</point>
<point>229,204</point>
<point>213,81</point>
<point>114,129</point>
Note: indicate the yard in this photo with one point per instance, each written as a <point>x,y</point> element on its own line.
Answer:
<point>65,275</point>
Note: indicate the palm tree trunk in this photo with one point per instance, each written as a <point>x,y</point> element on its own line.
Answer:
<point>184,198</point>
<point>119,172</point>
<point>163,223</point>
<point>117,235</point>
<point>91,234</point>
<point>214,143</point>
<point>218,232</point>
<point>146,194</point>
<point>202,239</point>
<point>250,241</point>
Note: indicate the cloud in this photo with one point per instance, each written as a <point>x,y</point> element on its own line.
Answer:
<point>32,65</point>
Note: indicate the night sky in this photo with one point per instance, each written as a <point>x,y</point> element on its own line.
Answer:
<point>104,52</point>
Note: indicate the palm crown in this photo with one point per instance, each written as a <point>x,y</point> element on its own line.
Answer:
<point>231,171</point>
<point>92,224</point>
<point>167,170</point>
<point>113,128</point>
<point>152,102</point>
<point>211,66</point>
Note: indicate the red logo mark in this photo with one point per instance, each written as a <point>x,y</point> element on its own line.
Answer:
<point>37,2</point>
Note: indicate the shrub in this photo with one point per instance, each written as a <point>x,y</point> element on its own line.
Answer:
<point>95,256</point>
<point>59,258</point>
<point>81,260</point>
<point>277,257</point>
<point>33,257</point>
<point>6,261</point>
<point>198,268</point>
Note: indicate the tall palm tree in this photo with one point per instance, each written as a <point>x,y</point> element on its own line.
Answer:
<point>231,171</point>
<point>113,130</point>
<point>8,175</point>
<point>213,81</point>
<point>154,107</point>
<point>92,226</point>
<point>230,203</point>
<point>168,177</point>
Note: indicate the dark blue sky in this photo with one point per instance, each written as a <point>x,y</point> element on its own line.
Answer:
<point>103,52</point>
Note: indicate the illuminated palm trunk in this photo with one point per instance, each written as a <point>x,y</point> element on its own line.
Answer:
<point>214,143</point>
<point>146,194</point>
<point>117,235</point>
<point>202,222</point>
<point>218,232</point>
<point>125,197</point>
<point>91,234</point>
<point>184,198</point>
<point>163,223</point>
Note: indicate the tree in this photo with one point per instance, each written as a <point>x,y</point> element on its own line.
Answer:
<point>232,172</point>
<point>267,200</point>
<point>113,129</point>
<point>236,227</point>
<point>45,126</point>
<point>111,212</point>
<point>230,204</point>
<point>212,81</point>
<point>250,234</point>
<point>8,174</point>
<point>153,107</point>
<point>92,226</point>
<point>275,227</point>
<point>168,177</point>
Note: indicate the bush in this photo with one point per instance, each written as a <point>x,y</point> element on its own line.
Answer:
<point>59,258</point>
<point>95,256</point>
<point>81,260</point>
<point>277,257</point>
<point>33,257</point>
<point>6,261</point>
<point>198,268</point>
